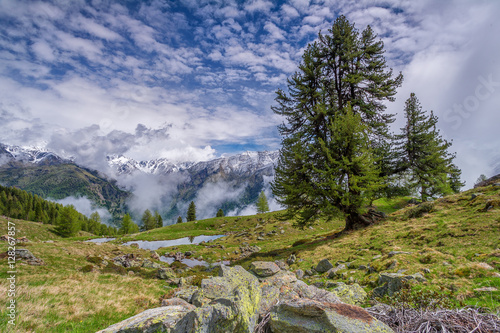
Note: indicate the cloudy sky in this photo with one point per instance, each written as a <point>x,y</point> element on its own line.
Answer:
<point>191,80</point>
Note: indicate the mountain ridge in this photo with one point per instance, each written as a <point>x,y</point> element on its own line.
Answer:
<point>231,183</point>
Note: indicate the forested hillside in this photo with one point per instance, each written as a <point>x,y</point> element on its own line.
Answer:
<point>19,204</point>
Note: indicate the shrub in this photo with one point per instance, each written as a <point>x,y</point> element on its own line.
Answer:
<point>419,211</point>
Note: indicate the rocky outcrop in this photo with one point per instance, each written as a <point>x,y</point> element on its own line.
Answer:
<point>323,266</point>
<point>227,303</point>
<point>390,283</point>
<point>264,268</point>
<point>311,316</point>
<point>235,300</point>
<point>162,319</point>
<point>26,255</point>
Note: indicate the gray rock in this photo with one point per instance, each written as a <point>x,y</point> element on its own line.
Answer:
<point>475,195</point>
<point>264,268</point>
<point>393,253</point>
<point>333,272</point>
<point>378,256</point>
<point>162,319</point>
<point>25,254</point>
<point>234,298</point>
<point>281,264</point>
<point>323,266</point>
<point>362,268</point>
<point>291,259</point>
<point>154,255</point>
<point>393,265</point>
<point>310,316</point>
<point>390,283</point>
<point>309,272</point>
<point>351,294</point>
<point>165,274</point>
<point>186,293</point>
<point>299,273</point>
<point>150,264</point>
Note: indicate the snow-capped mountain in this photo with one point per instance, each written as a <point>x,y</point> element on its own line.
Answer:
<point>125,165</point>
<point>241,164</point>
<point>231,183</point>
<point>30,155</point>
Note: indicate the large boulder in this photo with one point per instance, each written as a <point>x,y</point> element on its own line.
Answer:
<point>350,294</point>
<point>264,268</point>
<point>228,303</point>
<point>162,319</point>
<point>234,300</point>
<point>324,266</point>
<point>310,316</point>
<point>390,283</point>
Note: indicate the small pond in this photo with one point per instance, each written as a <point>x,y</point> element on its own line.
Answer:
<point>101,240</point>
<point>155,245</point>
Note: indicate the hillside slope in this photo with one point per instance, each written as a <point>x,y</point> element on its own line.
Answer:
<point>58,181</point>
<point>453,242</point>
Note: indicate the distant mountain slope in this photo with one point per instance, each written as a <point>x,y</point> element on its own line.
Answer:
<point>49,176</point>
<point>230,183</point>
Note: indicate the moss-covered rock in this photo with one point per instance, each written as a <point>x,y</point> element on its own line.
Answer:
<point>310,316</point>
<point>350,294</point>
<point>162,319</point>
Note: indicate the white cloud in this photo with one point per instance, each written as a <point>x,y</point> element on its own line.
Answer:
<point>86,207</point>
<point>258,5</point>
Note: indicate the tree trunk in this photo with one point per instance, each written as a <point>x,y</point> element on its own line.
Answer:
<point>354,220</point>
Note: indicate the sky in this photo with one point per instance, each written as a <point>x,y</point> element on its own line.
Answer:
<point>192,80</point>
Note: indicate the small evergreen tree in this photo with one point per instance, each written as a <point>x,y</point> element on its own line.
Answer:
<point>424,153</point>
<point>128,226</point>
<point>158,219</point>
<point>148,221</point>
<point>220,213</point>
<point>67,223</point>
<point>179,219</point>
<point>480,179</point>
<point>94,223</point>
<point>191,213</point>
<point>262,205</point>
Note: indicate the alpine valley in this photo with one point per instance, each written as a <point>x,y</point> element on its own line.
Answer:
<point>229,183</point>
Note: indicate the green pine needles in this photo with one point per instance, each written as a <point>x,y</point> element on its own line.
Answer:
<point>334,112</point>
<point>424,154</point>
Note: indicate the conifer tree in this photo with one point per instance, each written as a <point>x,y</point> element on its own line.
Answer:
<point>67,223</point>
<point>220,213</point>
<point>424,153</point>
<point>179,219</point>
<point>191,213</point>
<point>158,219</point>
<point>94,223</point>
<point>148,220</point>
<point>343,79</point>
<point>262,205</point>
<point>126,225</point>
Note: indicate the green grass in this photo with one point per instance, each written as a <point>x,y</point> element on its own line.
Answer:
<point>452,240</point>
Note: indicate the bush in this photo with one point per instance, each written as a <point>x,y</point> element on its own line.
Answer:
<point>114,269</point>
<point>419,211</point>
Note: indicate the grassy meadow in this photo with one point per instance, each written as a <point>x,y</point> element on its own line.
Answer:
<point>454,242</point>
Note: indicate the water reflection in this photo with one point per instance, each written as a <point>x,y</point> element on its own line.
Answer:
<point>193,262</point>
<point>155,245</point>
<point>101,240</point>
